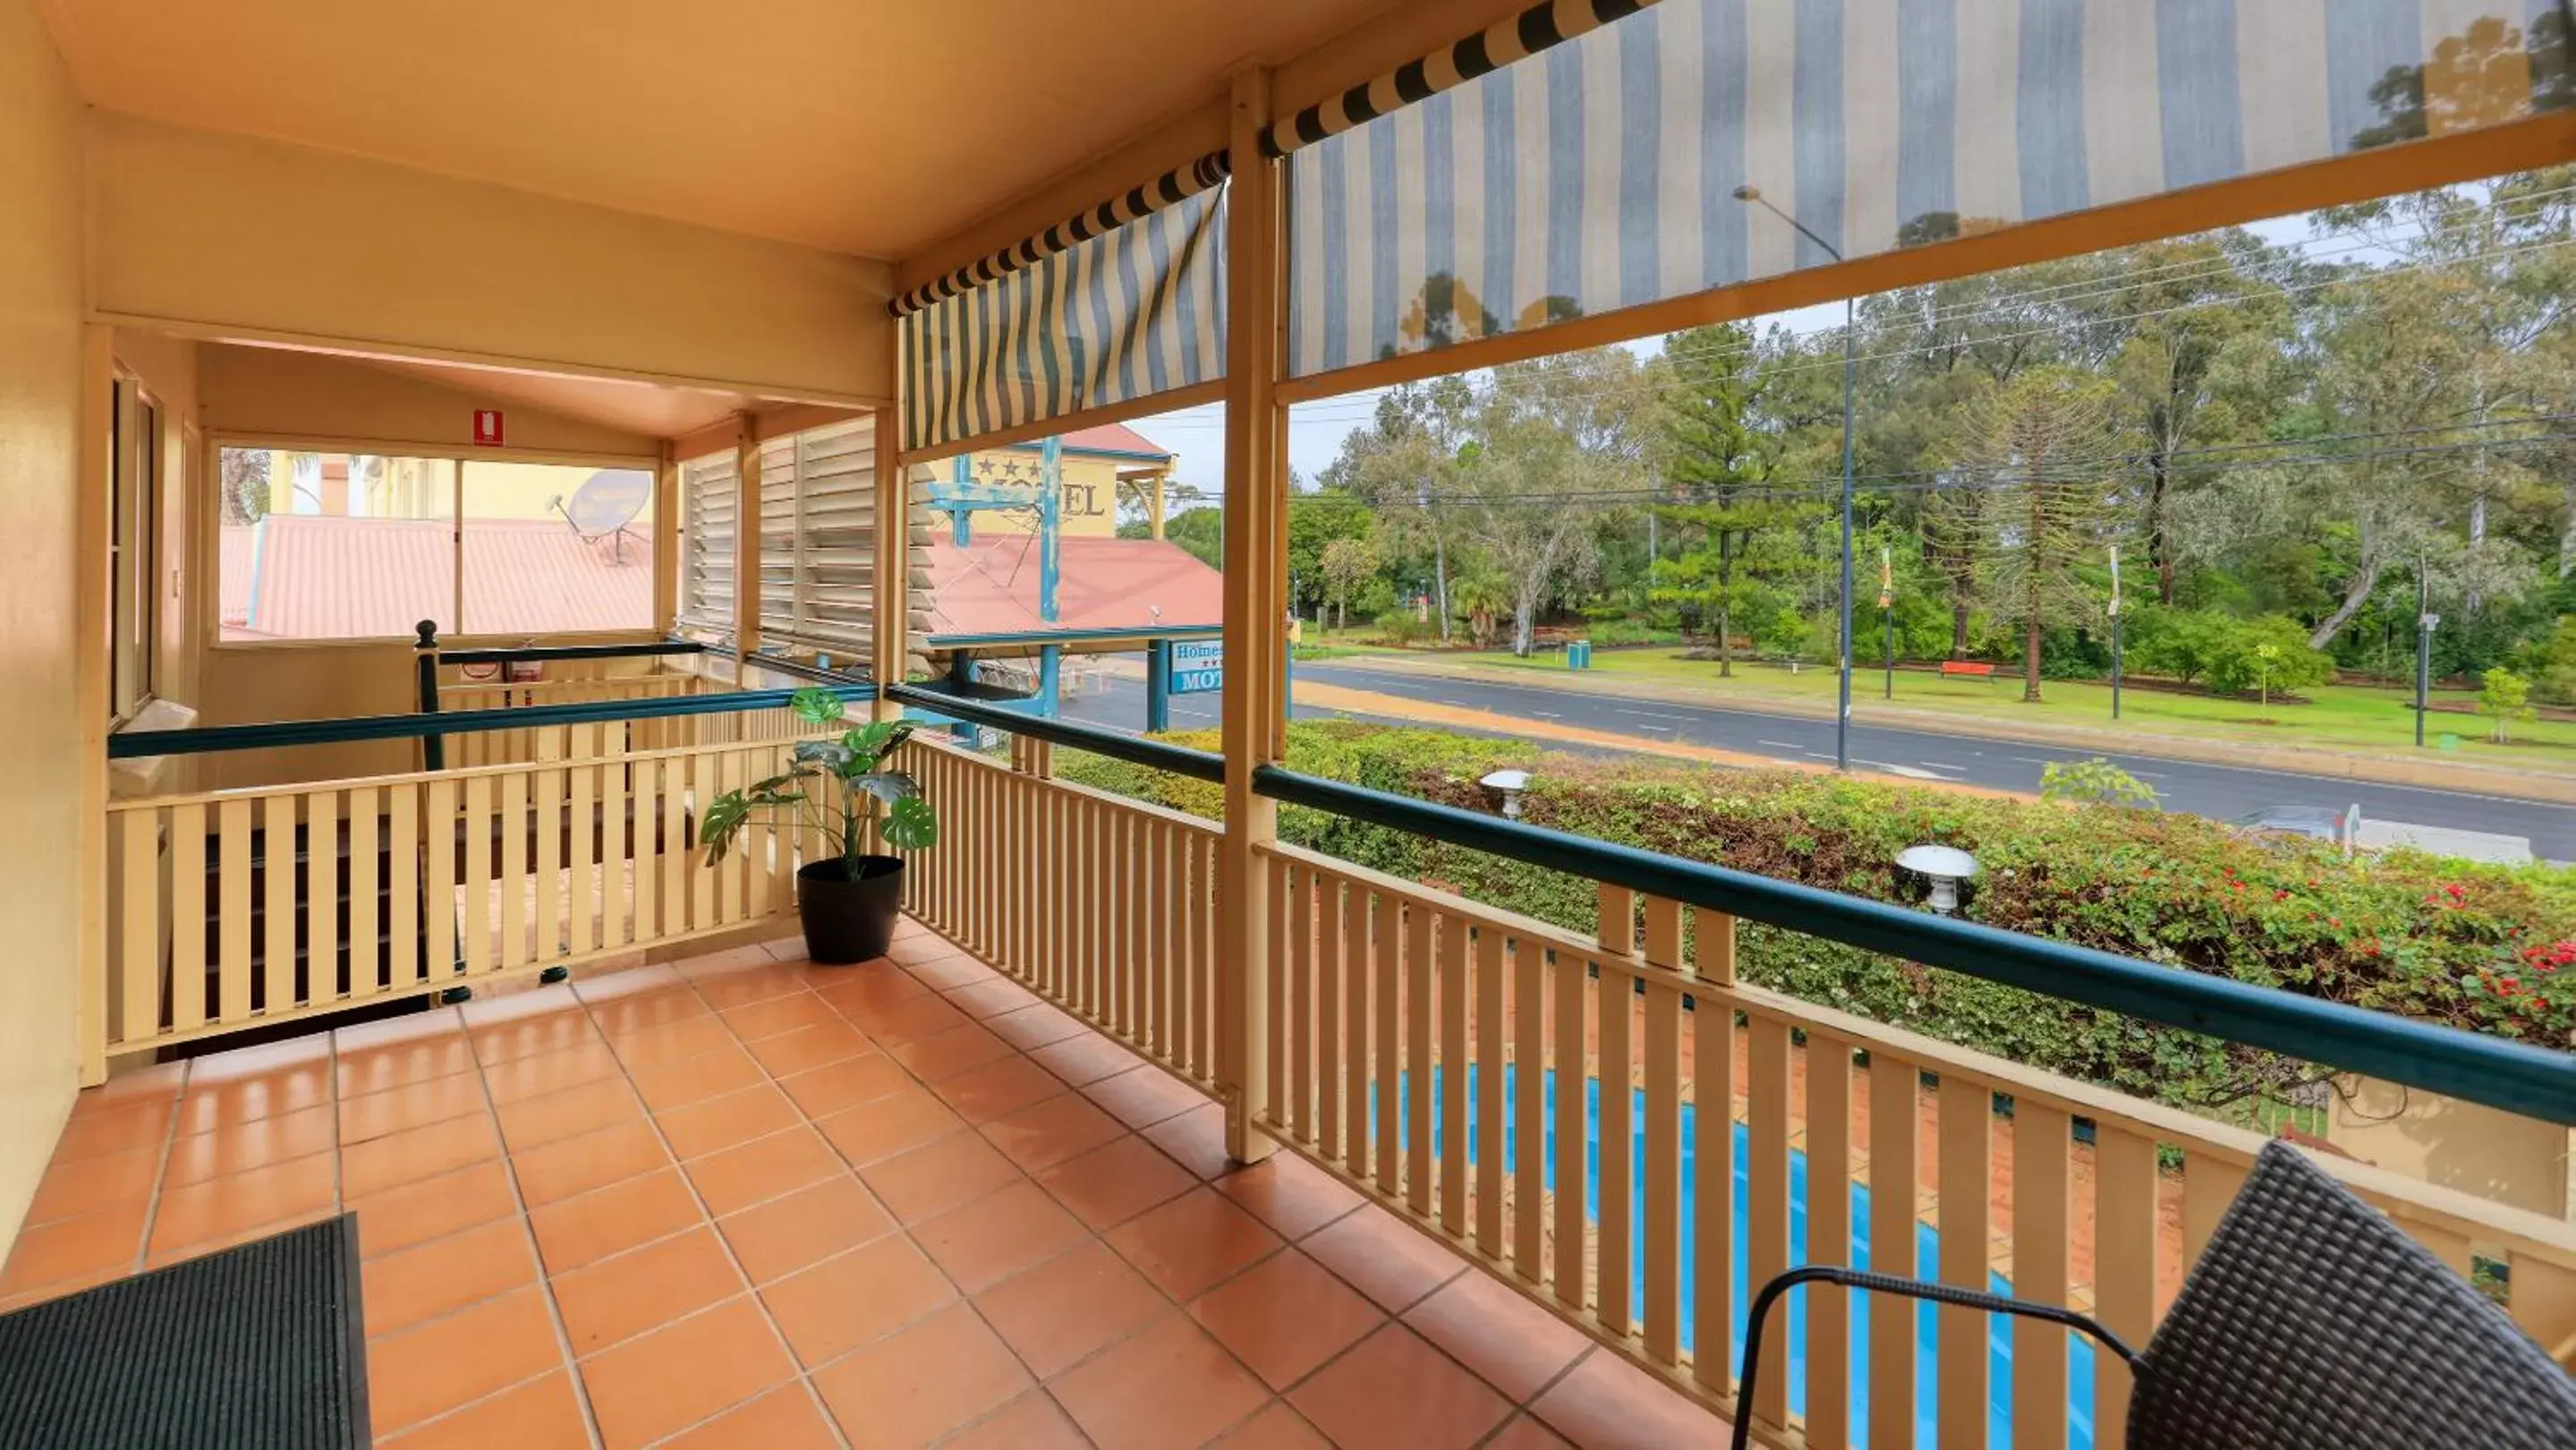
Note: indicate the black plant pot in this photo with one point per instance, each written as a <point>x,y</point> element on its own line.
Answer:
<point>849,920</point>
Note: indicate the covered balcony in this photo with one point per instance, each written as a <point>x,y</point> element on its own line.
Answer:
<point>1150,1127</point>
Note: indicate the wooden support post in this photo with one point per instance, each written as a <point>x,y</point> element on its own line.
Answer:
<point>666,541</point>
<point>1256,555</point>
<point>92,669</point>
<point>890,574</point>
<point>746,539</point>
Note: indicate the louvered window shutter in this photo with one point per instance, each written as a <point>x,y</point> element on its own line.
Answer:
<point>708,512</point>
<point>818,537</point>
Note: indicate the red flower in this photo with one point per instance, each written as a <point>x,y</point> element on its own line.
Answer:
<point>2280,896</point>
<point>2457,893</point>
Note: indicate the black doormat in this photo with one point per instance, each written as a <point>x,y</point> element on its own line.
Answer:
<point>262,1345</point>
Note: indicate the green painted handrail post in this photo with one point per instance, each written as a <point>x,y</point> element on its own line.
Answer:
<point>433,748</point>
<point>1051,681</point>
<point>1158,686</point>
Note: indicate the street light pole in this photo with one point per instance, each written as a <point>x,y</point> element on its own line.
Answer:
<point>1851,371</point>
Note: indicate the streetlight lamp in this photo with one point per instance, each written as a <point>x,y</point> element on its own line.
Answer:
<point>1851,367</point>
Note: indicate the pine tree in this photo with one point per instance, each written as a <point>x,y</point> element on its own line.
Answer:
<point>2037,456</point>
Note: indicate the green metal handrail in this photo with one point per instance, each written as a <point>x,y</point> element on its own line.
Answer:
<point>438,724</point>
<point>570,652</point>
<point>1073,636</point>
<point>2517,1077</point>
<point>1134,749</point>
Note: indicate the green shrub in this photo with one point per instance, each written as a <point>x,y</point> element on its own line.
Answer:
<point>2490,948</point>
<point>2093,782</point>
<point>1399,626</point>
<point>2224,652</point>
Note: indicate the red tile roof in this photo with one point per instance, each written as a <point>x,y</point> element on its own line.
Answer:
<point>304,576</point>
<point>1110,438</point>
<point>991,586</point>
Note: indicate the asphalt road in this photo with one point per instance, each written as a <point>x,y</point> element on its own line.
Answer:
<point>2219,791</point>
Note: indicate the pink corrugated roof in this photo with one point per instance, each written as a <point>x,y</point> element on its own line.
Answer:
<point>991,586</point>
<point>301,576</point>
<point>1112,438</point>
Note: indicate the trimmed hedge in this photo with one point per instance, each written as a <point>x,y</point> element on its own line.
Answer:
<point>2483,947</point>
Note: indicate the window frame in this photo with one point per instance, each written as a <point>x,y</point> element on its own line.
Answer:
<point>137,484</point>
<point>207,548</point>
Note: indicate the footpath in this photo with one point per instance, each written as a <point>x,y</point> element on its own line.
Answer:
<point>2429,773</point>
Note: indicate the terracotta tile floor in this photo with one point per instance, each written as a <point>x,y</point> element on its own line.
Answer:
<point>745,1200</point>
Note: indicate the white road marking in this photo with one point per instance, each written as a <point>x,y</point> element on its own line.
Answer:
<point>1779,744</point>
<point>2033,760</point>
<point>1907,771</point>
<point>1650,714</point>
<point>1546,715</point>
<point>1939,765</point>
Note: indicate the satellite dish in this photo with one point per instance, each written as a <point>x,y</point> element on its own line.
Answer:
<point>606,503</point>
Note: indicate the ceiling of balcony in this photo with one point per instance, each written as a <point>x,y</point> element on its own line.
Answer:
<point>865,126</point>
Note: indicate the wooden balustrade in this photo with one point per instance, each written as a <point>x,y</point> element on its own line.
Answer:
<point>243,908</point>
<point>1103,905</point>
<point>673,732</point>
<point>1467,1068</point>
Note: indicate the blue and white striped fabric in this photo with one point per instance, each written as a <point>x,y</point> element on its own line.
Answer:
<point>1600,174</point>
<point>1123,316</point>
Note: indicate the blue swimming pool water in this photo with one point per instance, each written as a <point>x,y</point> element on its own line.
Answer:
<point>1926,1255</point>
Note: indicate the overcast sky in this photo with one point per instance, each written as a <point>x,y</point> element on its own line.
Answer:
<point>1316,430</point>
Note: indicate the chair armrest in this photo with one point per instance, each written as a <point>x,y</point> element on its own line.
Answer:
<point>1908,1288</point>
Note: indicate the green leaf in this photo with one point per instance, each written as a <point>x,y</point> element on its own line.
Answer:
<point>832,755</point>
<point>910,824</point>
<point>722,819</point>
<point>891,786</point>
<point>873,742</point>
<point>815,705</point>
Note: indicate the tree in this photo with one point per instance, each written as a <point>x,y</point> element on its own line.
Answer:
<point>2200,363</point>
<point>1200,531</point>
<point>2035,454</point>
<point>1315,520</point>
<point>1715,464</point>
<point>1404,464</point>
<point>1347,564</point>
<point>2504,697</point>
<point>1547,433</point>
<point>244,484</point>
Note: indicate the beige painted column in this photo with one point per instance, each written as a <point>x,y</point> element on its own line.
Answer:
<point>1156,512</point>
<point>746,540</point>
<point>92,668</point>
<point>666,540</point>
<point>890,571</point>
<point>1256,561</point>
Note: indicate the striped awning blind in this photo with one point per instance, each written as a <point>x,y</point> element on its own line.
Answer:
<point>708,513</point>
<point>1460,197</point>
<point>1127,314</point>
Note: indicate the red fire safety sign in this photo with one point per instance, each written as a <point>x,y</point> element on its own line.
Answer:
<point>487,427</point>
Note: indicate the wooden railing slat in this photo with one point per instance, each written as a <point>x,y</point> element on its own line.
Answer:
<point>138,883</point>
<point>187,916</point>
<point>1418,1069</point>
<point>1766,1205</point>
<point>366,890</point>
<point>1894,1172</point>
<point>2125,1231</point>
<point>1829,1239</point>
<point>278,913</point>
<point>1570,1066</point>
<point>2043,1229</point>
<point>1455,990</point>
<point>1487,1051</point>
<point>1966,1162</point>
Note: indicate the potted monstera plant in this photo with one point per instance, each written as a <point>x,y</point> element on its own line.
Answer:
<point>840,789</point>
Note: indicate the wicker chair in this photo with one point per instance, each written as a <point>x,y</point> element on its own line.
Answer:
<point>2310,1320</point>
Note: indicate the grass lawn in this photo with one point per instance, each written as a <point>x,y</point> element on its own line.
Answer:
<point>2344,717</point>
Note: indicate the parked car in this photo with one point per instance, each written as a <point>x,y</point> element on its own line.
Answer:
<point>2322,823</point>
